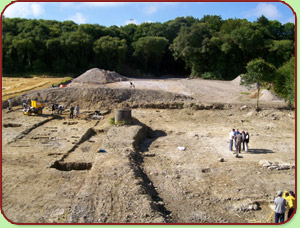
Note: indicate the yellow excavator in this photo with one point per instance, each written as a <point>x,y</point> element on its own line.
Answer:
<point>36,108</point>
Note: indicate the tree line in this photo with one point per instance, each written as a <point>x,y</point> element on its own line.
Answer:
<point>209,47</point>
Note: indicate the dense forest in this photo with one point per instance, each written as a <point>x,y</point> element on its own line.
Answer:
<point>209,47</point>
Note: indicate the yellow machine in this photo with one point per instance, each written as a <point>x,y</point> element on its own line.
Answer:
<point>36,108</point>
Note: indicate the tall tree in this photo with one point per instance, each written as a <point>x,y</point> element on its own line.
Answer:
<point>258,72</point>
<point>150,50</point>
<point>284,84</point>
<point>110,52</point>
<point>192,45</point>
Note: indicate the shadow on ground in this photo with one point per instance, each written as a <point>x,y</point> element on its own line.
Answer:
<point>260,151</point>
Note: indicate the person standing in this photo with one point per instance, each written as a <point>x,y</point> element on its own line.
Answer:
<point>77,111</point>
<point>238,139</point>
<point>235,134</point>
<point>243,140</point>
<point>60,109</point>
<point>290,199</point>
<point>132,85</point>
<point>52,109</point>
<point>71,112</point>
<point>9,104</point>
<point>279,207</point>
<point>247,137</point>
<point>231,137</point>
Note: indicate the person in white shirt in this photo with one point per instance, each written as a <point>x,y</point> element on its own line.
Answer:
<point>231,137</point>
<point>77,111</point>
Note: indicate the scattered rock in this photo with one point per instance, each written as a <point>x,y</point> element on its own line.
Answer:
<point>249,114</point>
<point>283,167</point>
<point>246,206</point>
<point>221,160</point>
<point>275,165</point>
<point>206,170</point>
<point>262,162</point>
<point>243,107</point>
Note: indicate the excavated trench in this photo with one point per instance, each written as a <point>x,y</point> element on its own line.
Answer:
<point>27,131</point>
<point>136,160</point>
<point>68,166</point>
<point>11,125</point>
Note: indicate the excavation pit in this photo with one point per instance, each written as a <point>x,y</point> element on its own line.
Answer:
<point>68,166</point>
<point>11,125</point>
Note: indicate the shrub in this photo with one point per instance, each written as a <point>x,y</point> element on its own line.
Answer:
<point>112,121</point>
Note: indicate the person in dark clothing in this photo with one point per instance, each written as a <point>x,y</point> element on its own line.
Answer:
<point>243,140</point>
<point>72,112</point>
<point>53,109</point>
<point>238,140</point>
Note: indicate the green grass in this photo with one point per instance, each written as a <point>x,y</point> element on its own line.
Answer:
<point>246,93</point>
<point>64,81</point>
<point>112,121</point>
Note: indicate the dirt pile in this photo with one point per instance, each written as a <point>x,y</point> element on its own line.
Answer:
<point>237,81</point>
<point>98,76</point>
<point>267,95</point>
<point>101,96</point>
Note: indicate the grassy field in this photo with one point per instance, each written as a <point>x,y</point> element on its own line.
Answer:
<point>12,86</point>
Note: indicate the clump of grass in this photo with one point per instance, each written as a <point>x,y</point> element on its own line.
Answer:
<point>246,93</point>
<point>120,123</point>
<point>65,81</point>
<point>112,121</point>
<point>117,123</point>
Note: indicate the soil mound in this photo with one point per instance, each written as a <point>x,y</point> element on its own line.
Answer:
<point>269,96</point>
<point>106,97</point>
<point>237,81</point>
<point>98,76</point>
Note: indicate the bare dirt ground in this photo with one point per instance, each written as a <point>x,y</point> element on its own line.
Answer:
<point>53,171</point>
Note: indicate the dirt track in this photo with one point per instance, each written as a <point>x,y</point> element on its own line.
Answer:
<point>53,173</point>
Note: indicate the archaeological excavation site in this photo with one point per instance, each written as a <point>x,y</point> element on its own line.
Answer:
<point>156,153</point>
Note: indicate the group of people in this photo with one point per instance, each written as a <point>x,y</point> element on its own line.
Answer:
<point>239,139</point>
<point>60,108</point>
<point>76,108</point>
<point>282,200</point>
<point>57,107</point>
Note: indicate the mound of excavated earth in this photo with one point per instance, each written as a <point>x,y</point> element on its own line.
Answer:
<point>101,96</point>
<point>267,95</point>
<point>98,76</point>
